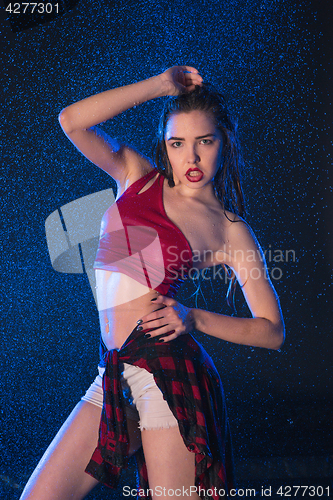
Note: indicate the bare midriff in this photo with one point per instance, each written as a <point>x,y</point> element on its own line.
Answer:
<point>122,301</point>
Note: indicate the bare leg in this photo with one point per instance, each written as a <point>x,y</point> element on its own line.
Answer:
<point>169,463</point>
<point>60,473</point>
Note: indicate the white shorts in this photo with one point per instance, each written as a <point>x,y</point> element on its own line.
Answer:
<point>143,399</point>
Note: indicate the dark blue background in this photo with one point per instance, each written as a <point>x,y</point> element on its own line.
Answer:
<point>271,59</point>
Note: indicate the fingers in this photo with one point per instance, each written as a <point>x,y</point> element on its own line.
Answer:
<point>166,301</point>
<point>170,337</point>
<point>191,80</point>
<point>154,319</point>
<point>173,333</point>
<point>157,314</point>
<point>181,79</point>
<point>158,323</point>
<point>191,69</point>
<point>159,327</point>
<point>191,74</point>
<point>161,331</point>
<point>167,318</point>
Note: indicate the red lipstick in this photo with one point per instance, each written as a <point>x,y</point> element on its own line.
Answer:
<point>194,178</point>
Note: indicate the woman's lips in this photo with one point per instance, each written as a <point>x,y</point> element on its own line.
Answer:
<point>196,177</point>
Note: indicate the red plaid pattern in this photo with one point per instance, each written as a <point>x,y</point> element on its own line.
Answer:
<point>191,385</point>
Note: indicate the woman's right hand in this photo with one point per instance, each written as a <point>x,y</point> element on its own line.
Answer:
<point>179,79</point>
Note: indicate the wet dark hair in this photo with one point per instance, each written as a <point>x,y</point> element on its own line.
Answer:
<point>227,181</point>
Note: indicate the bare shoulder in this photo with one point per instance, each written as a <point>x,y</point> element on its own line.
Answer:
<point>232,217</point>
<point>240,235</point>
<point>234,224</point>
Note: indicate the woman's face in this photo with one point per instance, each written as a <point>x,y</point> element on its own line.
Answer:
<point>194,147</point>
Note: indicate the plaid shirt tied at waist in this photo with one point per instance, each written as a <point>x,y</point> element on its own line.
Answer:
<point>191,385</point>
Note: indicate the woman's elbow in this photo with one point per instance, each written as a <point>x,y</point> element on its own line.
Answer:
<point>279,336</point>
<point>64,121</point>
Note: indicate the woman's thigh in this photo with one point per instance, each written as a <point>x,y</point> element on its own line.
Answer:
<point>170,465</point>
<point>60,473</point>
<point>152,409</point>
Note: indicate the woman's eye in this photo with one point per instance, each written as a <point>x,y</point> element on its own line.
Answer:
<point>176,144</point>
<point>206,141</point>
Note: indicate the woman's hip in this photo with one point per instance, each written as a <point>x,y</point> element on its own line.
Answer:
<point>143,399</point>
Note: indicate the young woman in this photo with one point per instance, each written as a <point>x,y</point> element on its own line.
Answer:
<point>182,214</point>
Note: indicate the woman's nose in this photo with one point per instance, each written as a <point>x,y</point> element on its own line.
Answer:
<point>192,156</point>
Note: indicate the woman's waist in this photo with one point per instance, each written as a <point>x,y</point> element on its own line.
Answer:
<point>134,277</point>
<point>119,321</point>
<point>115,289</point>
<point>178,355</point>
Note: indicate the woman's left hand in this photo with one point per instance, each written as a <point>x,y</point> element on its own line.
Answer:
<point>172,317</point>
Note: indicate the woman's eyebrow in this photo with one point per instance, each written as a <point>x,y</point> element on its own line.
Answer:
<point>182,138</point>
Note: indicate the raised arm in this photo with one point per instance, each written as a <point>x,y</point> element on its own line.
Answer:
<point>121,161</point>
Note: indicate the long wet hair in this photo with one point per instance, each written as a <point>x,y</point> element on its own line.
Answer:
<point>227,181</point>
